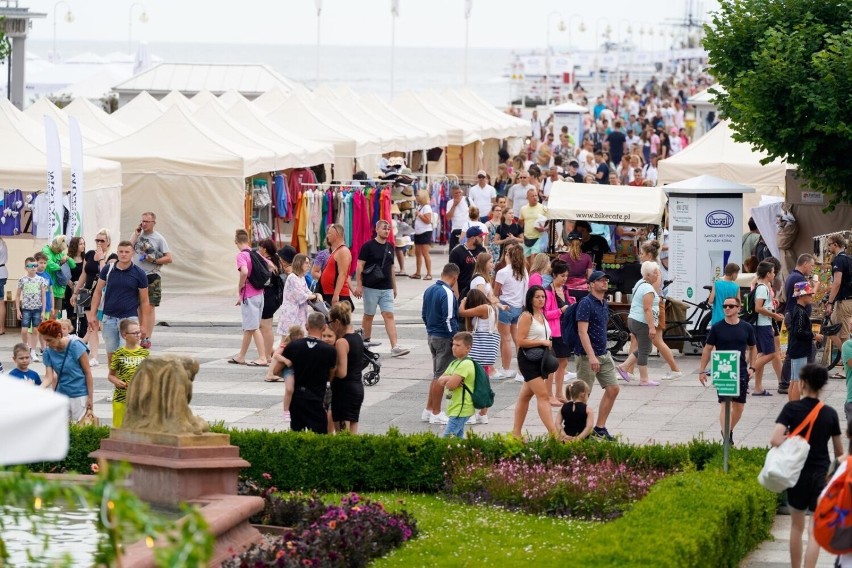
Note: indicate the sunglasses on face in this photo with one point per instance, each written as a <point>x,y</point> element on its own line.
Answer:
<point>730,306</point>
<point>32,265</point>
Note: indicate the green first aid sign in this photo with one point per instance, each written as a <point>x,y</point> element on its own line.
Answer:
<point>725,372</point>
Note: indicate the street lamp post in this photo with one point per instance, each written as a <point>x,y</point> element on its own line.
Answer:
<point>468,6</point>
<point>318,4</point>
<point>143,18</point>
<point>69,17</point>
<point>547,55</point>
<point>621,42</point>
<point>394,16</point>
<point>598,35</point>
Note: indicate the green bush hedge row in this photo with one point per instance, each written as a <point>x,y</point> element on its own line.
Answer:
<point>395,461</point>
<point>697,518</point>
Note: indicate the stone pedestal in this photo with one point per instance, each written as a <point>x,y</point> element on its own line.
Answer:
<point>168,469</point>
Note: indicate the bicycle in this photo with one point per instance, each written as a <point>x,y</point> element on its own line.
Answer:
<point>696,336</point>
<point>827,353</point>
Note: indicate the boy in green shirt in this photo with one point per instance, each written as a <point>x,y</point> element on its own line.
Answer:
<point>122,367</point>
<point>460,370</point>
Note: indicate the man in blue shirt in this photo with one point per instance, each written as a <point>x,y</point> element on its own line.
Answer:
<point>593,360</point>
<point>802,272</point>
<point>440,314</point>
<point>125,289</point>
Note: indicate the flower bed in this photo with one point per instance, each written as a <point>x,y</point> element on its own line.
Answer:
<point>577,487</point>
<point>347,535</point>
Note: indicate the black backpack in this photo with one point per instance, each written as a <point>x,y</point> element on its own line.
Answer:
<point>570,333</point>
<point>748,314</point>
<point>260,272</point>
<point>761,250</point>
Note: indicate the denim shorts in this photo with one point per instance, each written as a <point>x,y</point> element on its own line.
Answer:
<point>510,316</point>
<point>381,298</point>
<point>112,335</point>
<point>796,366</point>
<point>30,318</point>
<point>455,426</point>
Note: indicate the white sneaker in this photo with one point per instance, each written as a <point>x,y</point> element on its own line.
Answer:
<point>672,375</point>
<point>424,416</point>
<point>509,373</point>
<point>570,375</point>
<point>399,351</point>
<point>34,356</point>
<point>498,374</point>
<point>286,416</point>
<point>110,395</point>
<point>519,378</point>
<point>481,418</point>
<point>93,362</point>
<point>438,418</point>
<point>472,420</point>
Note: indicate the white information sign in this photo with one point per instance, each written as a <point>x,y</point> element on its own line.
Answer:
<point>705,234</point>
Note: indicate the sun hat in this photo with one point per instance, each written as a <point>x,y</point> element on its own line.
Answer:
<point>802,289</point>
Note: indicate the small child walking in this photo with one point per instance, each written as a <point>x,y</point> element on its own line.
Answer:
<point>41,272</point>
<point>801,336</point>
<point>21,356</point>
<point>278,370</point>
<point>123,365</point>
<point>31,303</point>
<point>578,419</point>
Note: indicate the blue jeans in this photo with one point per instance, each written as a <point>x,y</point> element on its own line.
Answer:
<point>455,427</point>
<point>796,366</point>
<point>112,336</point>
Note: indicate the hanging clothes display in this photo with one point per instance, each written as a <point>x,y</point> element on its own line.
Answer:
<point>279,188</point>
<point>12,207</point>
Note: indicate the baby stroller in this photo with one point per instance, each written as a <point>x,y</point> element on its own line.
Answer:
<point>370,365</point>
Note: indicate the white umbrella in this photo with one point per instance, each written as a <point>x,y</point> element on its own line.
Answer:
<point>33,423</point>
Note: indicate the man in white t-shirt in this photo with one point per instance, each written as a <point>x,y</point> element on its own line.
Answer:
<point>549,180</point>
<point>650,171</point>
<point>517,194</point>
<point>483,195</point>
<point>457,211</point>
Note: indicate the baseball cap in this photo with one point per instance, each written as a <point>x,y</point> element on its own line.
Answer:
<point>574,236</point>
<point>597,275</point>
<point>802,289</point>
<point>481,173</point>
<point>574,164</point>
<point>474,231</point>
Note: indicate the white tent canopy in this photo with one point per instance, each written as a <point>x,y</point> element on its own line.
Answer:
<point>507,126</point>
<point>201,98</point>
<point>33,423</point>
<point>459,132</point>
<point>271,99</point>
<point>606,203</point>
<point>436,137</point>
<point>44,107</point>
<point>717,154</point>
<point>229,98</point>
<point>249,117</point>
<point>92,118</point>
<point>195,181</point>
<point>176,98</point>
<point>141,110</point>
<point>460,114</point>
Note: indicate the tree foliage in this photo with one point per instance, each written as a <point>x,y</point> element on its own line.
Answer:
<point>787,68</point>
<point>5,44</point>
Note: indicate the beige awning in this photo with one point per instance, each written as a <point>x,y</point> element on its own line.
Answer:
<point>606,203</point>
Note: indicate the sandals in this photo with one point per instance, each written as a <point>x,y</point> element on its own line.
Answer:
<point>233,361</point>
<point>415,277</point>
<point>427,277</point>
<point>764,392</point>
<point>272,379</point>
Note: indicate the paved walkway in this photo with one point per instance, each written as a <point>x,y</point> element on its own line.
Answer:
<point>208,328</point>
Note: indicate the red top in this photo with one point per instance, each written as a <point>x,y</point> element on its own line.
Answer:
<point>328,278</point>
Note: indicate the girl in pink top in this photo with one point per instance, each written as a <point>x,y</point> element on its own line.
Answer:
<point>556,302</point>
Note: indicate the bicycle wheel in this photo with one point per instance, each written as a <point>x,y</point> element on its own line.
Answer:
<point>617,336</point>
<point>827,355</point>
<point>701,332</point>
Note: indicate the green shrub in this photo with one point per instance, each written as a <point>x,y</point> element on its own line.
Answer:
<point>695,519</point>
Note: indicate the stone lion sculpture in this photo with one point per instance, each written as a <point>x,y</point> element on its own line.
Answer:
<point>158,397</point>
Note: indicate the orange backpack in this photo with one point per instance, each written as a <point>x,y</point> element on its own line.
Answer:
<point>832,520</point>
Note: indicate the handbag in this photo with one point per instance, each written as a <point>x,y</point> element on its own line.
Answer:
<point>374,275</point>
<point>784,463</point>
<point>89,419</point>
<point>486,344</point>
<point>84,298</point>
<point>548,361</point>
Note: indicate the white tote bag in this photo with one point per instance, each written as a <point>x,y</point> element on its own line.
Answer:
<point>486,344</point>
<point>784,463</point>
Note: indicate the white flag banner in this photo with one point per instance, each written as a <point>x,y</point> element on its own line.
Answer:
<point>75,217</point>
<point>395,8</point>
<point>54,179</point>
<point>468,6</point>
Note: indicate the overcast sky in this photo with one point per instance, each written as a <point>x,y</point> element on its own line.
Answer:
<point>432,23</point>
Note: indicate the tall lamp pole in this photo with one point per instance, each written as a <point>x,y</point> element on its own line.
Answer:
<point>561,26</point>
<point>143,18</point>
<point>68,17</point>
<point>394,16</point>
<point>318,4</point>
<point>468,6</point>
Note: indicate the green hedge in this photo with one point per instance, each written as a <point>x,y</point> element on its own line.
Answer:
<point>393,461</point>
<point>695,519</point>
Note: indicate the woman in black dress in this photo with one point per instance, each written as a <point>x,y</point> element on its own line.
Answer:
<point>93,262</point>
<point>347,390</point>
<point>273,293</point>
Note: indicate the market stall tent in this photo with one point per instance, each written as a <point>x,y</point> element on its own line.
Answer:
<point>44,107</point>
<point>23,165</point>
<point>195,182</point>
<point>718,154</point>
<point>249,117</point>
<point>606,203</point>
<point>459,132</point>
<point>141,110</point>
<point>203,97</point>
<point>229,98</point>
<point>436,136</point>
<point>92,118</point>
<point>176,98</point>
